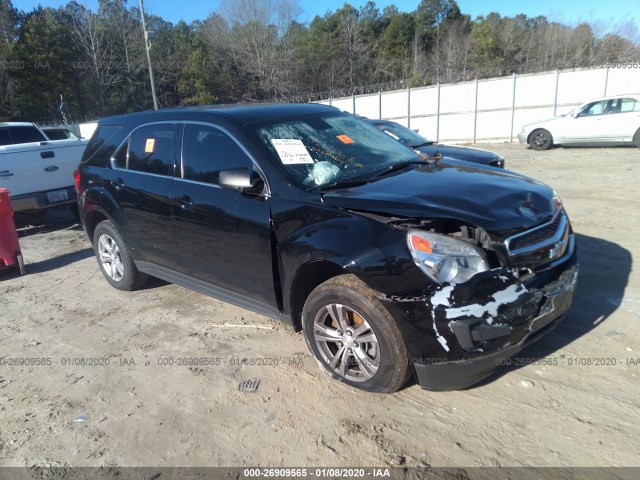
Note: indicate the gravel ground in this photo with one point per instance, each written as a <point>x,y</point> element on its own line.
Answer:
<point>572,400</point>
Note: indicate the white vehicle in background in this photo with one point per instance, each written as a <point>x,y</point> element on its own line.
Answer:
<point>600,121</point>
<point>37,171</point>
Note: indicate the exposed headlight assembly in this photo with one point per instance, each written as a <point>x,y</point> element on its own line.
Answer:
<point>445,259</point>
<point>557,201</point>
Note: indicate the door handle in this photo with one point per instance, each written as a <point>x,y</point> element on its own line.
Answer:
<point>184,202</point>
<point>117,184</point>
<point>47,154</point>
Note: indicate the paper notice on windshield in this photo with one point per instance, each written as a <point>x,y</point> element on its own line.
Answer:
<point>292,151</point>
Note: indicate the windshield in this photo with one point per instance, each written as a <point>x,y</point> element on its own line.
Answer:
<point>403,134</point>
<point>333,148</point>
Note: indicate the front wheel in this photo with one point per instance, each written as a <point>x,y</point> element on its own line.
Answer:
<point>354,337</point>
<point>541,139</point>
<point>636,138</point>
<point>114,258</point>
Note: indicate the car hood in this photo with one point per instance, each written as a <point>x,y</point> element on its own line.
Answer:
<point>537,123</point>
<point>499,201</point>
<point>461,153</point>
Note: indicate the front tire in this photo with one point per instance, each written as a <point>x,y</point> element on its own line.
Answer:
<point>636,138</point>
<point>114,258</point>
<point>353,336</point>
<point>541,139</point>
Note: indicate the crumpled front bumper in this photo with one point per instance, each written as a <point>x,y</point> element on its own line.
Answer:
<point>463,333</point>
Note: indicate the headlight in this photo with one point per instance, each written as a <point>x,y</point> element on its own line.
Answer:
<point>445,259</point>
<point>557,201</point>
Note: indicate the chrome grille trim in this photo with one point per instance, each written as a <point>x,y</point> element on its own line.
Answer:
<point>556,237</point>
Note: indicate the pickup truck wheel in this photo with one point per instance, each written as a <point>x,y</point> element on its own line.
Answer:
<point>114,258</point>
<point>353,336</point>
<point>540,139</point>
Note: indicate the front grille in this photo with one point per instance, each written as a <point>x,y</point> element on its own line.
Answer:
<point>547,241</point>
<point>535,236</point>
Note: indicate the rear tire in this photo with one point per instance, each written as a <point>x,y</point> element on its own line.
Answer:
<point>636,138</point>
<point>540,139</point>
<point>353,336</point>
<point>114,258</point>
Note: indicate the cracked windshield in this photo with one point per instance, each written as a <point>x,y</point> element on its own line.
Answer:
<point>319,150</point>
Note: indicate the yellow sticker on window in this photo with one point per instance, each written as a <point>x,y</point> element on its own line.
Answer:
<point>345,139</point>
<point>150,145</point>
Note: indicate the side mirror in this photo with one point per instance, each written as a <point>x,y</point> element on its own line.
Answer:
<point>240,180</point>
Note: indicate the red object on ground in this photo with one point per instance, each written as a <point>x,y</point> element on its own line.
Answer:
<point>10,254</point>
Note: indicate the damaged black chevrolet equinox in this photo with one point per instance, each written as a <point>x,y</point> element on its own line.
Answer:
<point>391,263</point>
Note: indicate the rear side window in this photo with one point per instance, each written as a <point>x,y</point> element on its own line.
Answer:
<point>102,144</point>
<point>629,105</point>
<point>26,135</point>
<point>151,149</point>
<point>207,150</point>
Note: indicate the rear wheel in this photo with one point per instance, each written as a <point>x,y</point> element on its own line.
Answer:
<point>540,139</point>
<point>636,138</point>
<point>353,336</point>
<point>114,258</point>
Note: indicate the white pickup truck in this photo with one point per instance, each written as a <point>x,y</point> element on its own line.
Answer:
<point>37,171</point>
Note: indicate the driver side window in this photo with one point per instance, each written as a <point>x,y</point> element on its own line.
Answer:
<point>206,150</point>
<point>595,108</point>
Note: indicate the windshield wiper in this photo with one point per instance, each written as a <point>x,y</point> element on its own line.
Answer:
<point>428,143</point>
<point>363,181</point>
<point>396,167</point>
<point>345,184</point>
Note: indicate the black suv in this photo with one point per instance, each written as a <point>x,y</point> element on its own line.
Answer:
<point>390,262</point>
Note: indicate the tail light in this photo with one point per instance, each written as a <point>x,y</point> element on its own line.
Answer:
<point>76,177</point>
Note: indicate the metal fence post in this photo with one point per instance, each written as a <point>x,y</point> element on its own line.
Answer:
<point>475,114</point>
<point>408,107</point>
<point>353,103</point>
<point>330,101</point>
<point>513,107</point>
<point>380,104</point>
<point>438,115</point>
<point>606,81</point>
<point>555,98</point>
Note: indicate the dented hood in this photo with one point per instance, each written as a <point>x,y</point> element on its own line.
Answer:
<point>500,201</point>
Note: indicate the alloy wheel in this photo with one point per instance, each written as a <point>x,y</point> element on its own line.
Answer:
<point>110,258</point>
<point>347,342</point>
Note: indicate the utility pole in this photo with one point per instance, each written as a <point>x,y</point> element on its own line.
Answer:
<point>147,46</point>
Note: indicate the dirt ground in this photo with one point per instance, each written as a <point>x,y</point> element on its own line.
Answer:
<point>577,405</point>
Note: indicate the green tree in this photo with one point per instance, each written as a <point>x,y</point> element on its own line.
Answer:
<point>8,29</point>
<point>486,58</point>
<point>46,48</point>
<point>396,47</point>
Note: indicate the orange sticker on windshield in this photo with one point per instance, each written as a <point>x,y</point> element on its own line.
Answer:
<point>150,145</point>
<point>345,139</point>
